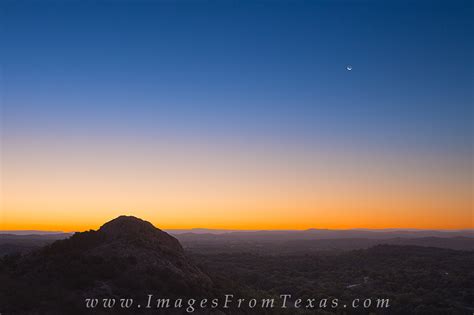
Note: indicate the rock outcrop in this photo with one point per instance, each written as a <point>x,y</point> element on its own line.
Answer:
<point>126,257</point>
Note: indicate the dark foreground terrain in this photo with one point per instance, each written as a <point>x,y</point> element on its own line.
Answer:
<point>129,258</point>
<point>417,280</point>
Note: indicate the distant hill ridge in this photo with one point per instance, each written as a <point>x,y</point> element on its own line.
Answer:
<point>129,227</point>
<point>311,231</point>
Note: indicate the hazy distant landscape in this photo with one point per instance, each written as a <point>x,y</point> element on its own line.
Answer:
<point>307,241</point>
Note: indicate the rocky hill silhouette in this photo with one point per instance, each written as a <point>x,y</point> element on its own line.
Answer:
<point>126,257</point>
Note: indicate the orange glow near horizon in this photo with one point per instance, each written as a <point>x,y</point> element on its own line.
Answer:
<point>183,186</point>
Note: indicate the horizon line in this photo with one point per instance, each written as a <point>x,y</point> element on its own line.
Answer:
<point>184,230</point>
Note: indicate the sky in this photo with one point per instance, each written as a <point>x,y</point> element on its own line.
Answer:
<point>237,114</point>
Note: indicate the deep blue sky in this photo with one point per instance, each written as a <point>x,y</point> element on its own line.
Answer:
<point>266,68</point>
